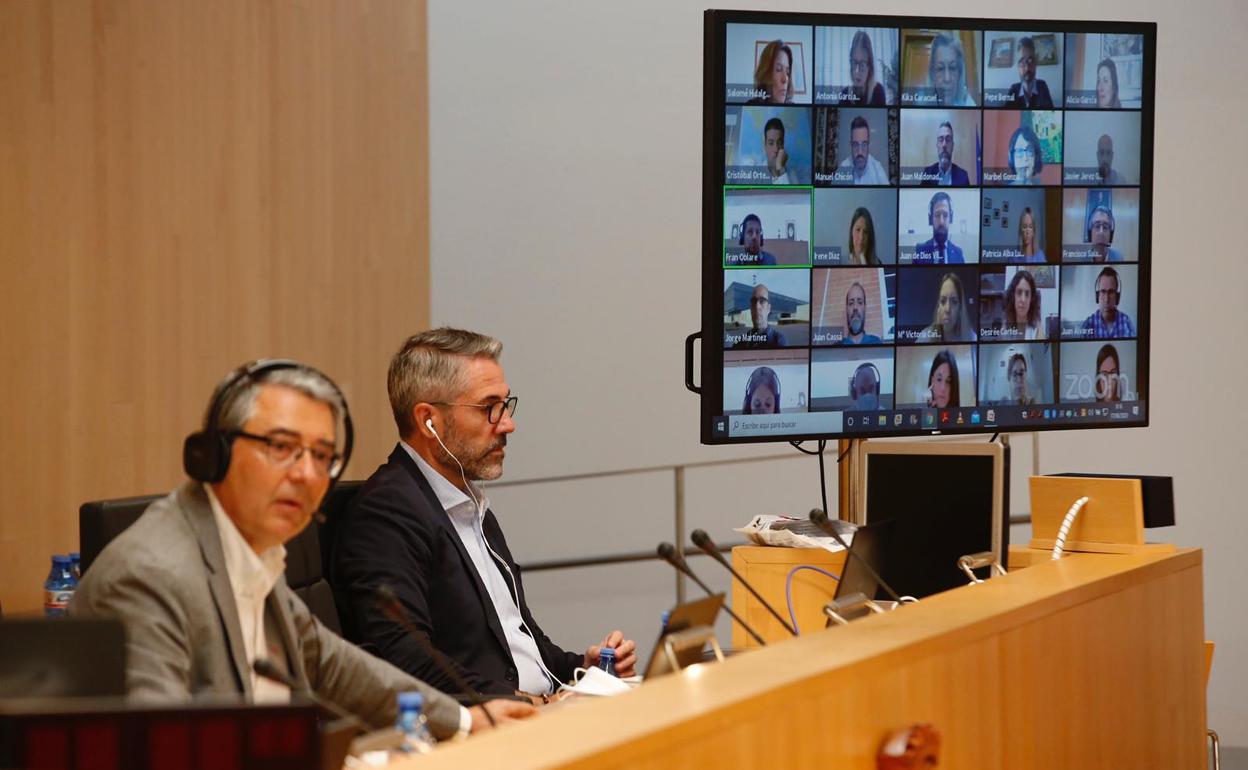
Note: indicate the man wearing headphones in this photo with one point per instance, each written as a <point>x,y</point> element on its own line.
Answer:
<point>938,250</point>
<point>1101,235</point>
<point>864,388</point>
<point>198,579</point>
<point>1108,322</point>
<point>752,239</point>
<point>423,527</point>
<point>856,318</point>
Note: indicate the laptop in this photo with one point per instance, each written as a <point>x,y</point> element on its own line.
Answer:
<point>58,657</point>
<point>870,544</point>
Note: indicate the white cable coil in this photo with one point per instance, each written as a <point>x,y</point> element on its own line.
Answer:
<point>1067,523</point>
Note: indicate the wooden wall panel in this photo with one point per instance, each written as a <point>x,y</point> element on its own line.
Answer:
<point>185,186</point>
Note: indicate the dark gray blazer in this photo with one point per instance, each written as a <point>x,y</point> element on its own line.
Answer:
<point>165,579</point>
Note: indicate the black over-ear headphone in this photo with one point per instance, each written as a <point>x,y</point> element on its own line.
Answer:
<point>206,453</point>
<point>937,198</point>
<point>1096,297</point>
<point>1110,214</point>
<point>853,388</point>
<point>748,217</point>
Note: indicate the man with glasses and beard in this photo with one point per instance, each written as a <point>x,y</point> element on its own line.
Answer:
<point>198,579</point>
<point>861,163</point>
<point>1030,92</point>
<point>422,526</point>
<point>856,318</point>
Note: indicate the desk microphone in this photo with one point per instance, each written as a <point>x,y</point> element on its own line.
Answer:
<point>390,606</point>
<point>704,541</point>
<point>820,519</point>
<point>347,734</point>
<point>265,668</point>
<point>667,552</point>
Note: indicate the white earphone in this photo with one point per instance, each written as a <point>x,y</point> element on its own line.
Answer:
<point>462,474</point>
<point>515,589</point>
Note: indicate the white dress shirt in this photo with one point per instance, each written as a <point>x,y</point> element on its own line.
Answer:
<point>252,576</point>
<point>467,518</point>
<point>874,173</point>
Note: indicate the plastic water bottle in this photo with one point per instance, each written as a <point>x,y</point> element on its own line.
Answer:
<point>606,660</point>
<point>58,589</point>
<point>412,723</point>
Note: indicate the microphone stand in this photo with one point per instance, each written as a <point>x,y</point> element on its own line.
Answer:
<point>667,552</point>
<point>704,541</point>
<point>388,602</point>
<point>820,519</point>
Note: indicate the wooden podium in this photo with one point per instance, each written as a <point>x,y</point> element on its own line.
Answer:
<point>768,569</point>
<point>1093,661</point>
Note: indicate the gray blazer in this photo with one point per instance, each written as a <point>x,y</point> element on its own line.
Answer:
<point>165,579</point>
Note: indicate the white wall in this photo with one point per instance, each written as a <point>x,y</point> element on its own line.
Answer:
<point>566,203</point>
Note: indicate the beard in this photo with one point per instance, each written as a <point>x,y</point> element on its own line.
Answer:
<point>477,461</point>
<point>855,324</point>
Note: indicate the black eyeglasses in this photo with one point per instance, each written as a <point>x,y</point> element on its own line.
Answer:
<point>283,451</point>
<point>493,410</point>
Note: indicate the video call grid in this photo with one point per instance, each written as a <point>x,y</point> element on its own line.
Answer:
<point>901,270</point>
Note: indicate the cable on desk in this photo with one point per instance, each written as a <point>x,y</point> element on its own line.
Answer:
<point>788,588</point>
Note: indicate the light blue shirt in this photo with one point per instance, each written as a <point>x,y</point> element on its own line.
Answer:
<point>467,519</point>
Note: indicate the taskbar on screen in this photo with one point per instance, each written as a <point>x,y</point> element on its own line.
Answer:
<point>1003,417</point>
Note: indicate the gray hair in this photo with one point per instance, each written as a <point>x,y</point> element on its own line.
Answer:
<point>240,402</point>
<point>430,367</point>
<point>947,40</point>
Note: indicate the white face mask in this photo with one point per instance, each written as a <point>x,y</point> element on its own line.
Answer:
<point>867,402</point>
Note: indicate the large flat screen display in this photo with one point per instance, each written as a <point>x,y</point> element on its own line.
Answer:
<point>913,229</point>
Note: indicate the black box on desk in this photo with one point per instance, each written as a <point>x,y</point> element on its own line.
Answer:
<point>1157,493</point>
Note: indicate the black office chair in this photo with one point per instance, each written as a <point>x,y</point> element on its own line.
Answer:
<point>100,521</point>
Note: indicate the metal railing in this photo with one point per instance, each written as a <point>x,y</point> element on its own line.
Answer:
<point>679,534</point>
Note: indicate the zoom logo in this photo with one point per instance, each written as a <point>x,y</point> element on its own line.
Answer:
<point>1101,387</point>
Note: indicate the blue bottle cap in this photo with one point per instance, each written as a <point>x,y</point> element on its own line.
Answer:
<point>411,701</point>
<point>607,652</point>
<point>75,556</point>
<point>61,559</point>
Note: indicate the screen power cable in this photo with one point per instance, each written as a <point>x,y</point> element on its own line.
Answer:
<point>515,588</point>
<point>1060,543</point>
<point>823,484</point>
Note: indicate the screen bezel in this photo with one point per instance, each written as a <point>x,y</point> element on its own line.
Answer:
<point>713,170</point>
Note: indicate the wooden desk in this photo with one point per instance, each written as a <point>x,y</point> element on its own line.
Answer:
<point>1094,661</point>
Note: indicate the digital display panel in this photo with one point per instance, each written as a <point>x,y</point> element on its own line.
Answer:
<point>911,229</point>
